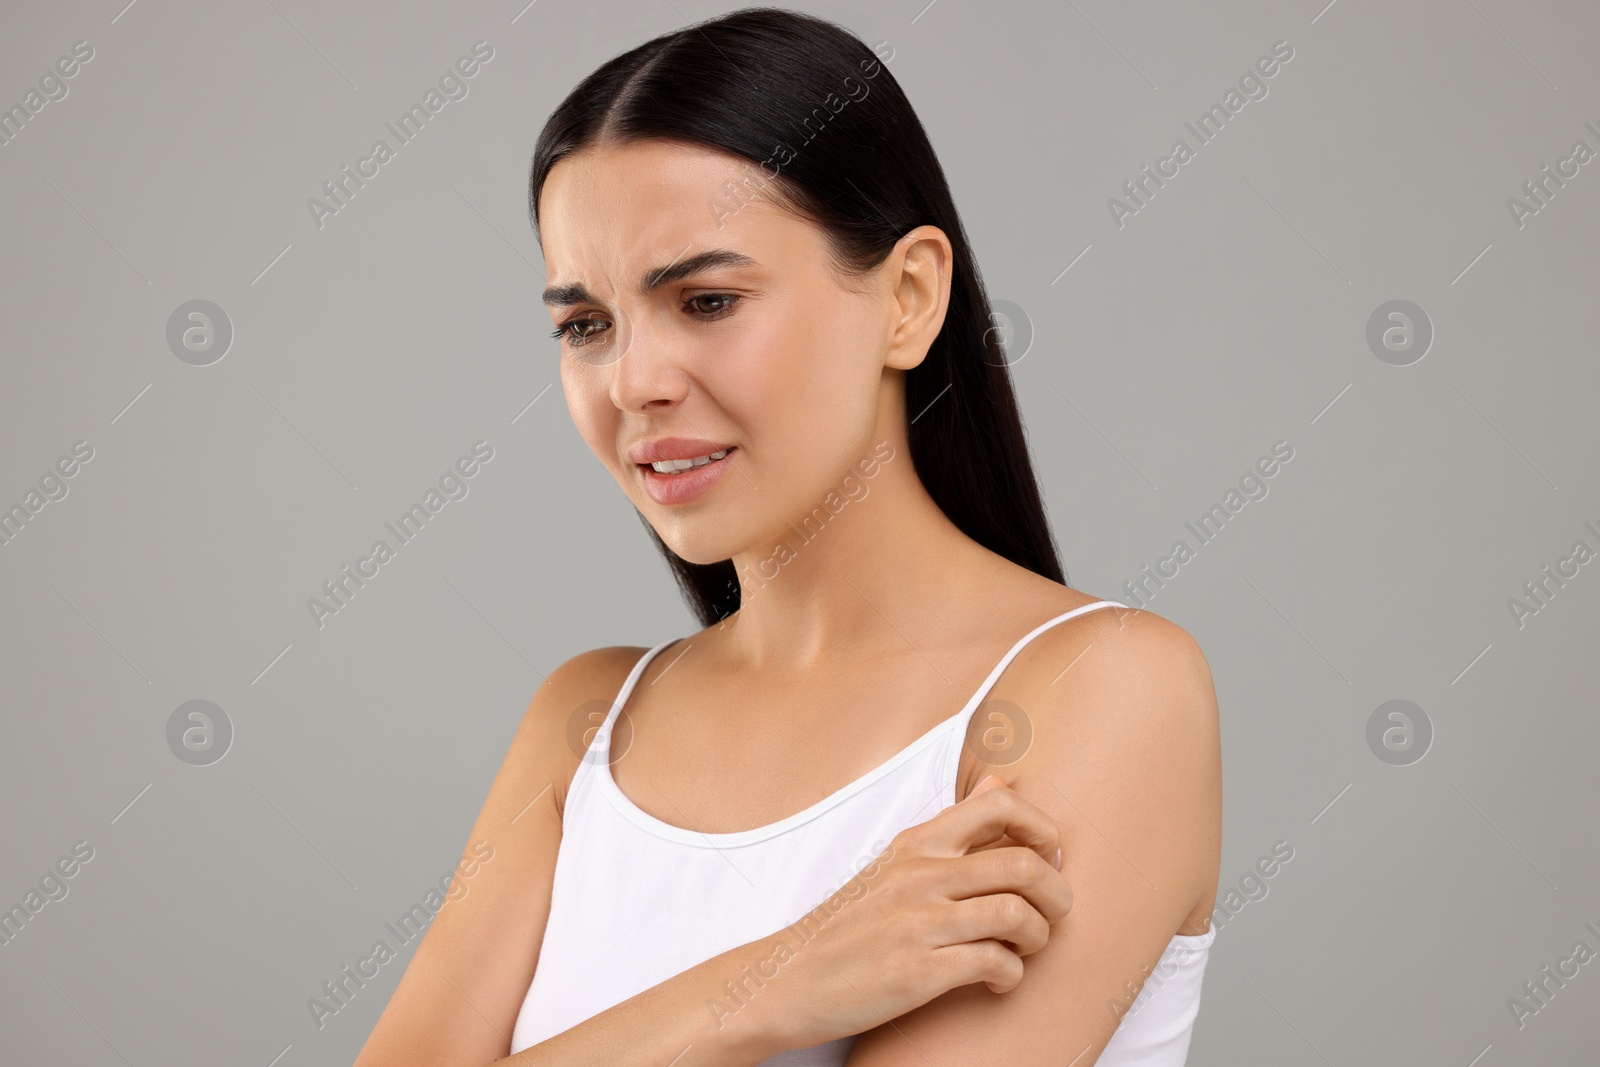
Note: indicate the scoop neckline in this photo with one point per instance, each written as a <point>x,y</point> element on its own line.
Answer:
<point>736,838</point>
<point>600,754</point>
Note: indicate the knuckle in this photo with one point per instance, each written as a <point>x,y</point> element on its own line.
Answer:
<point>910,841</point>
<point>1010,910</point>
<point>997,960</point>
<point>1016,865</point>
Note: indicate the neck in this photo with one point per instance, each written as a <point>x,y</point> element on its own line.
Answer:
<point>862,573</point>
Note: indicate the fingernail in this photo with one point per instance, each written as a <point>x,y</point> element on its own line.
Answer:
<point>1058,859</point>
<point>982,782</point>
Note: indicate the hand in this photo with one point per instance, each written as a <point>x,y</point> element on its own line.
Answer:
<point>935,910</point>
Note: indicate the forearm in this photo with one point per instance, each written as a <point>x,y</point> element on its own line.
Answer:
<point>685,1021</point>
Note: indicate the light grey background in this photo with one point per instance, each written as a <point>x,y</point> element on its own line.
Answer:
<point>368,355</point>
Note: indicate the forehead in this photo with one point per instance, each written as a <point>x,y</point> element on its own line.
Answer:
<point>608,213</point>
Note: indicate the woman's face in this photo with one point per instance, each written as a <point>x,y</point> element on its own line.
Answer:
<point>765,353</point>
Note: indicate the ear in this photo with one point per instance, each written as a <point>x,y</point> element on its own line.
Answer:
<point>919,289</point>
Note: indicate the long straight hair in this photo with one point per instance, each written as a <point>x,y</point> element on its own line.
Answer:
<point>781,88</point>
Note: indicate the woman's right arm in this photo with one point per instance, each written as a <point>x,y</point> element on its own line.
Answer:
<point>887,942</point>
<point>458,1000</point>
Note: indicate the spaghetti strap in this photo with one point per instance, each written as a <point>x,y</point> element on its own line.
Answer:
<point>950,764</point>
<point>599,747</point>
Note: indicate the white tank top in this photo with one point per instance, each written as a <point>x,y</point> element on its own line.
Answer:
<point>636,900</point>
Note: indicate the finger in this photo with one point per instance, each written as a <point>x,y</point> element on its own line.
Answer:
<point>1004,917</point>
<point>989,962</point>
<point>984,818</point>
<point>990,781</point>
<point>980,874</point>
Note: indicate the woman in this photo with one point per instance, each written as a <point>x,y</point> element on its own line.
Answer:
<point>771,844</point>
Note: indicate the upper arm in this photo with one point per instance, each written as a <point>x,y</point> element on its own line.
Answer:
<point>1126,759</point>
<point>458,1000</point>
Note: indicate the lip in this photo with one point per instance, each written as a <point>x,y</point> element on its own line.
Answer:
<point>680,488</point>
<point>654,450</point>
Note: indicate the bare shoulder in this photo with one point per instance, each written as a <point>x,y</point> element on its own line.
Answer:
<point>1125,673</point>
<point>570,705</point>
<point>1123,682</point>
<point>1119,641</point>
<point>1109,663</point>
<point>598,666</point>
<point>1102,638</point>
<point>590,672</point>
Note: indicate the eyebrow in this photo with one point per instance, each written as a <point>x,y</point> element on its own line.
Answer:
<point>655,278</point>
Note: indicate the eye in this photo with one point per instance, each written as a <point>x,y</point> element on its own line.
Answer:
<point>577,339</point>
<point>580,331</point>
<point>728,299</point>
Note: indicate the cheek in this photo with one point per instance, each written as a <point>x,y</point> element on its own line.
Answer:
<point>753,382</point>
<point>592,411</point>
<point>801,374</point>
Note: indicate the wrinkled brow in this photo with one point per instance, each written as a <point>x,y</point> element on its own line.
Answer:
<point>655,278</point>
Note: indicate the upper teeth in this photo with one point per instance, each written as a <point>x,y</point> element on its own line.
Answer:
<point>672,466</point>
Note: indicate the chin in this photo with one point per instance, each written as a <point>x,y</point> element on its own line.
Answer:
<point>699,547</point>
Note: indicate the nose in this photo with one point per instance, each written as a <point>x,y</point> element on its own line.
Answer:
<point>646,373</point>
